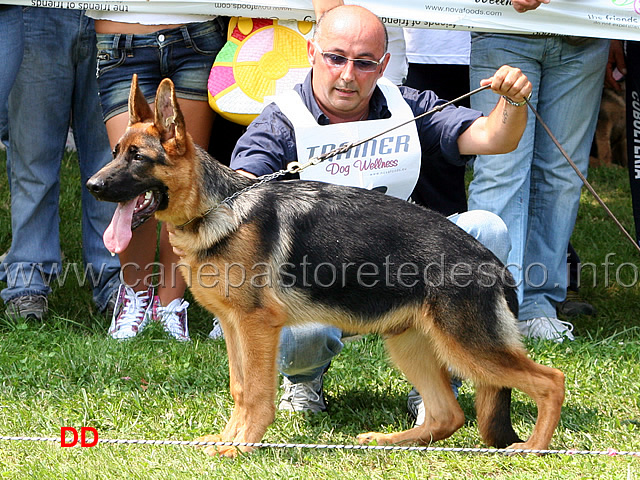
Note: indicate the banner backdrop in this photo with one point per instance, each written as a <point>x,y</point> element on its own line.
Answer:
<point>590,18</point>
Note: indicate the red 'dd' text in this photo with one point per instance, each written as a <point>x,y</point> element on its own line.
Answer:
<point>65,442</point>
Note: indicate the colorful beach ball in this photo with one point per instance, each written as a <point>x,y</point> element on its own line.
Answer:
<point>262,57</point>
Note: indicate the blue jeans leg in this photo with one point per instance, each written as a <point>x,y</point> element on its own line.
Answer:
<point>306,351</point>
<point>534,189</point>
<point>55,83</point>
<point>486,227</point>
<point>94,152</point>
<point>12,35</point>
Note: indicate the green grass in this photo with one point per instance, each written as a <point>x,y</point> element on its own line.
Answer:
<point>66,372</point>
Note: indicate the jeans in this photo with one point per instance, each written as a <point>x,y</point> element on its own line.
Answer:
<point>11,35</point>
<point>184,54</point>
<point>307,350</point>
<point>534,189</point>
<point>56,85</point>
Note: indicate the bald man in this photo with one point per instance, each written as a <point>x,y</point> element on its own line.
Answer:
<point>345,98</point>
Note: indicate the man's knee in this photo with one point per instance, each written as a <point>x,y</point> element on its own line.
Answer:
<point>489,229</point>
<point>307,347</point>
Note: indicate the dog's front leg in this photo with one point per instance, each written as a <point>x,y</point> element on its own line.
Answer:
<point>252,348</point>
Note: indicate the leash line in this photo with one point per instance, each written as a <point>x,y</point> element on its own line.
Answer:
<point>610,452</point>
<point>296,167</point>
<point>582,177</point>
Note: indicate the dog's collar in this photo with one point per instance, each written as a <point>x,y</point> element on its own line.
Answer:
<point>182,225</point>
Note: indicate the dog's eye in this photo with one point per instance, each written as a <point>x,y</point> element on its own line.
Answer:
<point>138,157</point>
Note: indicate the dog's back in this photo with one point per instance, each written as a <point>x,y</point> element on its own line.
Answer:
<point>361,256</point>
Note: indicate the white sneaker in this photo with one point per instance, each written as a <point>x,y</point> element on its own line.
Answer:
<point>548,328</point>
<point>415,404</point>
<point>173,318</point>
<point>303,396</point>
<point>130,314</point>
<point>216,332</point>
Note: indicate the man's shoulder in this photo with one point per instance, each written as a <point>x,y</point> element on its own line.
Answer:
<point>418,97</point>
<point>271,118</point>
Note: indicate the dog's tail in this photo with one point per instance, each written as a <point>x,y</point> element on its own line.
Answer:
<point>493,407</point>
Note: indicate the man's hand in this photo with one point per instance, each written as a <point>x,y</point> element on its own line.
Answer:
<point>173,240</point>
<point>616,60</point>
<point>510,82</point>
<point>522,6</point>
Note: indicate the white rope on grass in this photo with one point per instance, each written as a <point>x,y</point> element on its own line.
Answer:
<point>610,452</point>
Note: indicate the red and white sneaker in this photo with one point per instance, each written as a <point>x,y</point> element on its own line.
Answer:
<point>173,317</point>
<point>130,314</point>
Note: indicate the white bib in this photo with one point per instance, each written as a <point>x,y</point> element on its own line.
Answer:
<point>389,163</point>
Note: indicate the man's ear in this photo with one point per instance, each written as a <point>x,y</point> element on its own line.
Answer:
<point>311,52</point>
<point>139,109</point>
<point>169,119</point>
<point>385,62</point>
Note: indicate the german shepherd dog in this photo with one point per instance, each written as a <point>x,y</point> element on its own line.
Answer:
<point>290,252</point>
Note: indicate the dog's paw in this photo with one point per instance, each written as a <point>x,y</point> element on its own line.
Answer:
<point>215,450</point>
<point>524,446</point>
<point>373,438</point>
<point>222,450</point>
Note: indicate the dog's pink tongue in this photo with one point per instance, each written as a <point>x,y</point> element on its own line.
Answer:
<point>118,234</point>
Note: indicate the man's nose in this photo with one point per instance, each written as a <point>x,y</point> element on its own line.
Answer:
<point>348,71</point>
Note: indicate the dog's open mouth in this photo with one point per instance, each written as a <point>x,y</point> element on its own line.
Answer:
<point>129,216</point>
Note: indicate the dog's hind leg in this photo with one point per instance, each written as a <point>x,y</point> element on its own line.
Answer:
<point>545,385</point>
<point>413,354</point>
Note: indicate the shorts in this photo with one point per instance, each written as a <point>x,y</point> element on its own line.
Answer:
<point>183,54</point>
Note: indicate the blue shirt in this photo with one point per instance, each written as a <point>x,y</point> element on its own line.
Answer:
<point>269,143</point>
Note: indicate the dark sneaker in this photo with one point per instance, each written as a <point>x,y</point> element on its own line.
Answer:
<point>574,305</point>
<point>303,396</point>
<point>27,306</point>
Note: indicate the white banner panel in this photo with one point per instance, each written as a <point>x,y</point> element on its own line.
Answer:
<point>590,18</point>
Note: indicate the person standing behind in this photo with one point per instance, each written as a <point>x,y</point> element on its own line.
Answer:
<point>55,87</point>
<point>439,61</point>
<point>154,46</point>
<point>534,189</point>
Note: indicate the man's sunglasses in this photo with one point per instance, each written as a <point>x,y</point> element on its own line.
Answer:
<point>336,60</point>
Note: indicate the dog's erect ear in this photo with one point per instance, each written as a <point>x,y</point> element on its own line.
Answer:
<point>169,120</point>
<point>139,109</point>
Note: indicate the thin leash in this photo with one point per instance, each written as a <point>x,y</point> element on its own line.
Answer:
<point>582,177</point>
<point>297,167</point>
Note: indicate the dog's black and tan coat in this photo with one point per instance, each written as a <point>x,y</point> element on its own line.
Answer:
<point>288,252</point>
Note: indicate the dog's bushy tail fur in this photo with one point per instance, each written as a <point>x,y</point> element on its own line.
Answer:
<point>493,404</point>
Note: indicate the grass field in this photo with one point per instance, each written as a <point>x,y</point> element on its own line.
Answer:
<point>66,372</point>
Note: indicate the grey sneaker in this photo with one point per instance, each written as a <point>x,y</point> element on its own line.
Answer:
<point>216,331</point>
<point>415,405</point>
<point>111,303</point>
<point>303,396</point>
<point>173,317</point>
<point>28,306</point>
<point>130,314</point>
<point>547,328</point>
